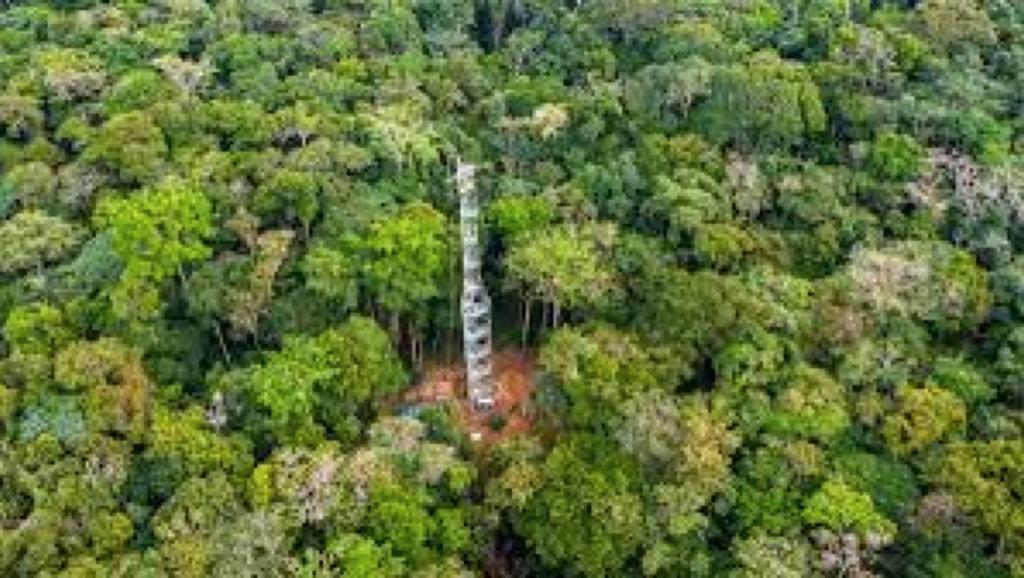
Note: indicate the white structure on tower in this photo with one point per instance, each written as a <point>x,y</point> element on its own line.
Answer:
<point>476,304</point>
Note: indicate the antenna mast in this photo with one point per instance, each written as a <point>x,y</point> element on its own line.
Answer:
<point>476,304</point>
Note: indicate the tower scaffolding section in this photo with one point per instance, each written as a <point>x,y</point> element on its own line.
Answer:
<point>476,303</point>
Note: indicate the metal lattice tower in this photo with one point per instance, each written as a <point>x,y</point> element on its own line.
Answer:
<point>476,304</point>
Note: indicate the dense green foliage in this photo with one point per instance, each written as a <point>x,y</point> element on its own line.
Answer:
<point>770,254</point>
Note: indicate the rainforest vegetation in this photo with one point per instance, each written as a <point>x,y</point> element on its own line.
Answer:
<point>768,256</point>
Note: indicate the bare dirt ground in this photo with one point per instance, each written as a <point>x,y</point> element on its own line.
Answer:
<point>514,384</point>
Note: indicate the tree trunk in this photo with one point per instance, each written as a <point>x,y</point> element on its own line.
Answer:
<point>416,345</point>
<point>527,306</point>
<point>413,358</point>
<point>395,329</point>
<point>223,345</point>
<point>256,337</point>
<point>419,352</point>
<point>453,312</point>
<point>497,23</point>
<point>556,313</point>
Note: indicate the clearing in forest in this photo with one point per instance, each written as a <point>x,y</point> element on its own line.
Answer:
<point>514,382</point>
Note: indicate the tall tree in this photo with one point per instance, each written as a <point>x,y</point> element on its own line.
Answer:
<point>407,258</point>
<point>156,233</point>
<point>563,268</point>
<point>32,239</point>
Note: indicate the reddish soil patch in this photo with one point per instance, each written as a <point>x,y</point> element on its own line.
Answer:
<point>514,384</point>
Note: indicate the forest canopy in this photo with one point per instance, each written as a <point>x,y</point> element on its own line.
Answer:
<point>766,258</point>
